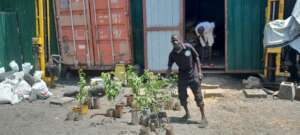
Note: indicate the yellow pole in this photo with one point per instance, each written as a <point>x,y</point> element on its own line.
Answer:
<point>277,51</point>
<point>41,37</point>
<point>36,19</point>
<point>48,29</point>
<point>281,9</point>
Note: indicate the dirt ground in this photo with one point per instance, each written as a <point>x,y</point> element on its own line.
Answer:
<point>232,114</point>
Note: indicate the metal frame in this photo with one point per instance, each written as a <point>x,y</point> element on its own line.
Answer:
<point>276,51</point>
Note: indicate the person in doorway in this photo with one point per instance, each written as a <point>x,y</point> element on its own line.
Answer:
<point>204,31</point>
<point>190,75</point>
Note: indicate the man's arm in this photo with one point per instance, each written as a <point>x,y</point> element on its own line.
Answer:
<point>196,58</point>
<point>170,64</point>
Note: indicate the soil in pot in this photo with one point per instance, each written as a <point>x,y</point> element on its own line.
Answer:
<point>129,100</point>
<point>134,117</point>
<point>119,110</point>
<point>110,112</point>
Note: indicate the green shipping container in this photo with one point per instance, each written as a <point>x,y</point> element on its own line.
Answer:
<point>9,39</point>
<point>22,29</point>
<point>23,20</point>
<point>245,24</point>
<point>137,31</point>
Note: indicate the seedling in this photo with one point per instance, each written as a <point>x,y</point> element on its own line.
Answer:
<point>81,97</point>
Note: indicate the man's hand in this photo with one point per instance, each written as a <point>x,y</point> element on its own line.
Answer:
<point>201,76</point>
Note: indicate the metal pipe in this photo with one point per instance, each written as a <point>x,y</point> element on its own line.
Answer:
<point>273,10</point>
<point>41,37</point>
<point>55,22</point>
<point>36,19</point>
<point>86,37</point>
<point>48,29</point>
<point>111,32</point>
<point>96,38</point>
<point>73,31</point>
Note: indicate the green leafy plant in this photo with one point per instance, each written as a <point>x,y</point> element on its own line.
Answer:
<point>133,80</point>
<point>82,95</point>
<point>149,93</point>
<point>112,87</point>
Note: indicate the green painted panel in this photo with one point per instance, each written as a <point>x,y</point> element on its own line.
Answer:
<point>54,45</point>
<point>25,24</point>
<point>137,31</point>
<point>9,39</point>
<point>245,23</point>
<point>26,21</point>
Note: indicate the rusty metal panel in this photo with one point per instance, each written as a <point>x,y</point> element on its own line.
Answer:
<point>94,33</point>
<point>74,35</point>
<point>111,31</point>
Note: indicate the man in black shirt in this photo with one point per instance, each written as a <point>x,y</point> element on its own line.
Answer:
<point>190,74</point>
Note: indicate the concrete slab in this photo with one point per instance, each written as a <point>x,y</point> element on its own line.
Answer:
<point>214,93</point>
<point>61,101</point>
<point>255,93</point>
<point>209,86</point>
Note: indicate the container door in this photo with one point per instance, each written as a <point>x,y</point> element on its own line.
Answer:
<point>162,18</point>
<point>245,24</point>
<point>111,32</point>
<point>10,48</point>
<point>74,34</point>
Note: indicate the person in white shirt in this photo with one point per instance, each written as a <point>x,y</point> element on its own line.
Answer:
<point>205,33</point>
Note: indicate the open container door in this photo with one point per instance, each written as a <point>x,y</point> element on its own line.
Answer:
<point>162,18</point>
<point>245,24</point>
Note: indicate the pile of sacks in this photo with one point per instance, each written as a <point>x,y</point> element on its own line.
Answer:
<point>16,85</point>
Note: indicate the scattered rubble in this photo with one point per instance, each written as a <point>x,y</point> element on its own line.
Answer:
<point>61,101</point>
<point>252,82</point>
<point>213,93</point>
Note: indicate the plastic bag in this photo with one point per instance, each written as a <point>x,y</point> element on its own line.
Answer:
<point>2,70</point>
<point>41,90</point>
<point>5,93</point>
<point>22,89</point>
<point>26,67</point>
<point>19,75</point>
<point>14,66</point>
<point>37,75</point>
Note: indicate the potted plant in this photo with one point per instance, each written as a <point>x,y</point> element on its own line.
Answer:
<point>112,90</point>
<point>82,96</point>
<point>135,82</point>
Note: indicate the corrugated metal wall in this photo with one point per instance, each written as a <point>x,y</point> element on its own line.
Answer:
<point>137,31</point>
<point>25,19</point>
<point>158,49</point>
<point>163,13</point>
<point>9,46</point>
<point>245,24</point>
<point>54,45</point>
<point>162,19</point>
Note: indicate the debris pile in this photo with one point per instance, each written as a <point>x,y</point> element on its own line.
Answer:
<point>16,85</point>
<point>252,82</point>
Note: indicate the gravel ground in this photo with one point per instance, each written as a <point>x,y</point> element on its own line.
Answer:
<point>232,114</point>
